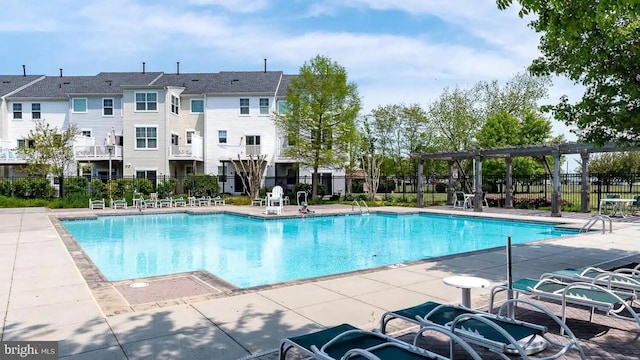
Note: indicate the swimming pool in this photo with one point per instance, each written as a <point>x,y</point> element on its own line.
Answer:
<point>249,251</point>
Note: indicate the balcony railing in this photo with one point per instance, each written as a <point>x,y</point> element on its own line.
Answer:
<point>184,152</point>
<point>252,150</point>
<point>11,156</point>
<point>100,152</point>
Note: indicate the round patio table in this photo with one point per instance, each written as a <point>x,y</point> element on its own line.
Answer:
<point>466,283</point>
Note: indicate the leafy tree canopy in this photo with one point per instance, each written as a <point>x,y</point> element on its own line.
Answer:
<point>596,44</point>
<point>321,117</point>
<point>51,150</point>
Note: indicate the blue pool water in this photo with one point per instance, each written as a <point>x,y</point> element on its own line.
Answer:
<point>249,252</point>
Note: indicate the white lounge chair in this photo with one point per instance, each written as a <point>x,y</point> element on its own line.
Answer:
<point>165,202</point>
<point>96,204</point>
<point>179,202</point>
<point>218,200</point>
<point>118,204</point>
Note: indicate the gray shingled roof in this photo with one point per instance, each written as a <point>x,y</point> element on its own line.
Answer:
<point>103,83</point>
<point>9,83</point>
<point>253,82</point>
<point>225,82</point>
<point>284,84</point>
<point>194,83</point>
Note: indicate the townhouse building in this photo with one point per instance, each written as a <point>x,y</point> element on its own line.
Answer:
<point>156,124</point>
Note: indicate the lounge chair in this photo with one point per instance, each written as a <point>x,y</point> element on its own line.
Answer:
<point>118,204</point>
<point>635,205</point>
<point>179,202</point>
<point>218,200</point>
<point>204,201</point>
<point>461,201</point>
<point>96,204</point>
<point>498,333</point>
<point>624,279</point>
<point>151,202</point>
<point>346,341</point>
<point>167,202</point>
<point>613,303</point>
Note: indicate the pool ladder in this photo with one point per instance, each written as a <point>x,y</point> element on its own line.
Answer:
<point>594,220</point>
<point>356,203</point>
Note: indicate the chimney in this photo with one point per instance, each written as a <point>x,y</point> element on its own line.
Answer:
<point>265,64</point>
<point>143,67</point>
<point>24,70</point>
<point>60,72</point>
<point>178,67</point>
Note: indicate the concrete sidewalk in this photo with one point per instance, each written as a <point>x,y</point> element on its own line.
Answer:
<point>43,296</point>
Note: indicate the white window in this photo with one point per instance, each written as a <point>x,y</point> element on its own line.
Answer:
<point>107,107</point>
<point>264,106</point>
<point>35,111</point>
<point>222,136</point>
<point>175,105</point>
<point>146,101</point>
<point>146,138</point>
<point>197,106</point>
<point>17,111</point>
<point>244,106</point>
<point>189,136</point>
<point>86,133</point>
<point>79,105</point>
<point>283,107</point>
<point>25,143</point>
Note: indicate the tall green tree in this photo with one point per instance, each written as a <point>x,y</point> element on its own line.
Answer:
<point>504,129</point>
<point>596,44</point>
<point>321,117</point>
<point>50,150</point>
<point>455,117</point>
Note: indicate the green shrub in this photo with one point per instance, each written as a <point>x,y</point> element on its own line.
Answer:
<point>201,185</point>
<point>167,187</point>
<point>143,186</point>
<point>6,187</point>
<point>96,189</point>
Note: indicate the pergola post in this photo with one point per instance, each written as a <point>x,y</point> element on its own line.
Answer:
<point>555,195</point>
<point>585,205</point>
<point>450,184</point>
<point>477,177</point>
<point>420,178</point>
<point>508,201</point>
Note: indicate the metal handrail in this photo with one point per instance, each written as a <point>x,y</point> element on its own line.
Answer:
<point>594,220</point>
<point>354,204</point>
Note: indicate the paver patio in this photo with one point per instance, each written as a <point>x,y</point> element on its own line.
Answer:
<point>43,295</point>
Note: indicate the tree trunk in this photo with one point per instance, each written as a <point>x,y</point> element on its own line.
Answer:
<point>314,183</point>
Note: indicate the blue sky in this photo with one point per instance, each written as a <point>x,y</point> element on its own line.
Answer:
<point>396,51</point>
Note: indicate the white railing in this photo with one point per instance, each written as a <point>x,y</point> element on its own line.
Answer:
<point>97,152</point>
<point>10,155</point>
<point>252,150</point>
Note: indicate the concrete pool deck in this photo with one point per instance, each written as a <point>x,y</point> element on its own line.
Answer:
<point>43,295</point>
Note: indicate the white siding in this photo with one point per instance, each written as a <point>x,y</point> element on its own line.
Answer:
<point>223,113</point>
<point>54,112</point>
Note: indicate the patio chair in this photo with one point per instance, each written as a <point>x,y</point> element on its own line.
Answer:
<point>150,202</point>
<point>497,333</point>
<point>275,198</point>
<point>635,205</point>
<point>614,303</point>
<point>118,204</point>
<point>460,201</point>
<point>166,202</point>
<point>179,202</point>
<point>609,207</point>
<point>204,201</point>
<point>624,278</point>
<point>96,204</point>
<point>346,341</point>
<point>218,200</point>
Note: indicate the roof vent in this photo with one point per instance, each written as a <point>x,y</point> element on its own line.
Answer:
<point>195,80</point>
<point>66,83</point>
<point>234,81</point>
<point>6,82</point>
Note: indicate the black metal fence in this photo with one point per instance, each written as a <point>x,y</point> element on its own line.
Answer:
<point>528,191</point>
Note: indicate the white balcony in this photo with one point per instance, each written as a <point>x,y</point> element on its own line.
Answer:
<point>252,150</point>
<point>191,151</point>
<point>97,152</point>
<point>11,156</point>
